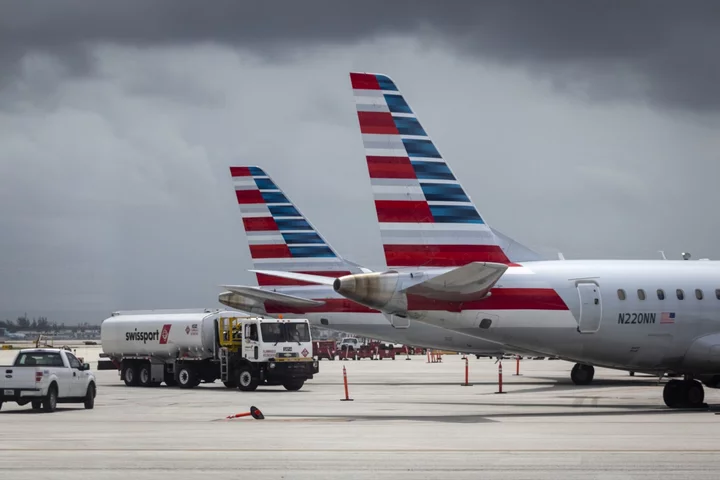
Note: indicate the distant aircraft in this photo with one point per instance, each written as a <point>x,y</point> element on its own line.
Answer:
<point>446,268</point>
<point>15,336</point>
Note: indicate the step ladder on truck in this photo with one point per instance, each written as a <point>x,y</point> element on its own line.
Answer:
<point>186,349</point>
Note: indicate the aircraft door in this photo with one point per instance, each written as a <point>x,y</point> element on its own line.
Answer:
<point>590,307</point>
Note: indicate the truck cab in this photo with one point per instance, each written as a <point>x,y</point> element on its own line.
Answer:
<point>267,351</point>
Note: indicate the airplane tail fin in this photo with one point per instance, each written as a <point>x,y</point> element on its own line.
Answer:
<point>426,217</point>
<point>279,235</point>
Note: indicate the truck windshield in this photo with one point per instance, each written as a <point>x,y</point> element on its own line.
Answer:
<point>285,332</point>
<point>44,359</point>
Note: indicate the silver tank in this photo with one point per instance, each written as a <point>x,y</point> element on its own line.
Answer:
<point>162,334</point>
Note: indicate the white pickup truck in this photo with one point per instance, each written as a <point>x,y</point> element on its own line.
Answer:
<point>46,377</point>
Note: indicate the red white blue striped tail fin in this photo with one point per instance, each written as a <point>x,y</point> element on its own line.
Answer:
<point>426,217</point>
<point>279,235</point>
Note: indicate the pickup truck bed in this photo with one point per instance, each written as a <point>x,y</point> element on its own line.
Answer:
<point>46,377</point>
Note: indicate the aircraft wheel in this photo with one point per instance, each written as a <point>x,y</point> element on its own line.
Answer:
<point>684,393</point>
<point>694,394</point>
<point>673,393</point>
<point>582,374</point>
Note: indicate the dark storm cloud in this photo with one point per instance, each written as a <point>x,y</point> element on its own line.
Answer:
<point>667,47</point>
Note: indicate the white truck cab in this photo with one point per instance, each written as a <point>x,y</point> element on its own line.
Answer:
<point>45,377</point>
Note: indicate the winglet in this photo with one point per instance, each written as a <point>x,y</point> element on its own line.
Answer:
<point>467,283</point>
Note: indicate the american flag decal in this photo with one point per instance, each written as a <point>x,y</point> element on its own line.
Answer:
<point>667,317</point>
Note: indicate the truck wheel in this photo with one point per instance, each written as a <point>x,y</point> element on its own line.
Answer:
<point>294,385</point>
<point>36,404</point>
<point>145,376</point>
<point>247,382</point>
<point>50,402</point>
<point>187,378</point>
<point>129,374</point>
<point>230,384</point>
<point>90,397</point>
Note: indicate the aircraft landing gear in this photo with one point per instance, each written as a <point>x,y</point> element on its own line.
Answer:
<point>686,393</point>
<point>582,374</point>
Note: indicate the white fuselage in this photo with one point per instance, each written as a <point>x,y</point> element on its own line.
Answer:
<point>618,314</point>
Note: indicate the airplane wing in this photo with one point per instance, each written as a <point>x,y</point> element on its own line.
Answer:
<point>265,295</point>
<point>467,283</point>
<point>319,279</point>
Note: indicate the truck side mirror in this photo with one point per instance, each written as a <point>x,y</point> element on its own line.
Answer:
<point>85,366</point>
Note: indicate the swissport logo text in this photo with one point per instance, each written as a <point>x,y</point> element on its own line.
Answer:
<point>144,337</point>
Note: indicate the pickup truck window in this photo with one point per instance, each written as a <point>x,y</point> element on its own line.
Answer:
<point>43,359</point>
<point>74,362</point>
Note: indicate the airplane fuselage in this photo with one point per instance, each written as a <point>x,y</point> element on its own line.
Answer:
<point>651,316</point>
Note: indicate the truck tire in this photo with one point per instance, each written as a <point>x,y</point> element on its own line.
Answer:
<point>230,384</point>
<point>187,377</point>
<point>247,382</point>
<point>90,397</point>
<point>129,375</point>
<point>49,404</point>
<point>294,385</point>
<point>145,376</point>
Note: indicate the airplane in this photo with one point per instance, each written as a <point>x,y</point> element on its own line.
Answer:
<point>281,237</point>
<point>446,268</point>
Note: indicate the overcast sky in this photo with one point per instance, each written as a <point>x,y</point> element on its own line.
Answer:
<point>589,128</point>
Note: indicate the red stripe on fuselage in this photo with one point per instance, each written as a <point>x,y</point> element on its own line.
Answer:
<point>265,280</point>
<point>403,211</point>
<point>442,255</point>
<point>390,167</point>
<point>249,196</point>
<point>332,305</point>
<point>259,224</point>
<point>270,251</point>
<point>240,172</point>
<point>500,299</point>
<point>377,123</point>
<point>364,81</point>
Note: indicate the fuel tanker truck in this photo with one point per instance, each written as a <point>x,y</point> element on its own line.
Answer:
<point>185,348</point>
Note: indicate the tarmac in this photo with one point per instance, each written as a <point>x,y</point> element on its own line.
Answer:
<point>408,420</point>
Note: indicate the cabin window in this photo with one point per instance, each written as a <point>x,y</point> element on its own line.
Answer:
<point>621,294</point>
<point>698,294</point>
<point>717,293</point>
<point>641,294</point>
<point>661,294</point>
<point>680,294</point>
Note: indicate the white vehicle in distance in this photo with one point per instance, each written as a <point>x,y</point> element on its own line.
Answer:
<point>45,377</point>
<point>349,342</point>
